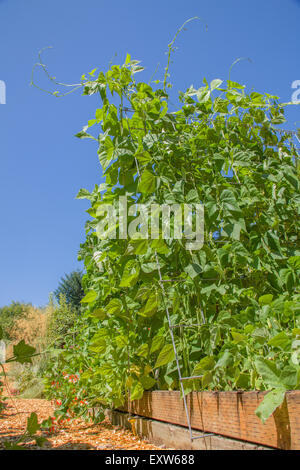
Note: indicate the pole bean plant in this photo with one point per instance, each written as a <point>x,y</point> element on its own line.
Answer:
<point>235,302</point>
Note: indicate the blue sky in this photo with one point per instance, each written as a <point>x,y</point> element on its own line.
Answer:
<point>42,164</point>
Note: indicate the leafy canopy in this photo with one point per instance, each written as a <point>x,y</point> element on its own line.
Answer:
<point>221,148</point>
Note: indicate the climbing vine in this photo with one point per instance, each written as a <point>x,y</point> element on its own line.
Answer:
<point>234,303</point>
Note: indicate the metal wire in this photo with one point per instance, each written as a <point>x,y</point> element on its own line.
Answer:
<point>192,377</point>
<point>189,325</point>
<point>176,355</point>
<point>201,437</point>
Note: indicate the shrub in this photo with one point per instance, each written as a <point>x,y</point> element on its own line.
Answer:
<point>61,318</point>
<point>9,314</point>
<point>29,325</point>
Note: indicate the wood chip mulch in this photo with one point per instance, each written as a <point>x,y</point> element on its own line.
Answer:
<point>75,435</point>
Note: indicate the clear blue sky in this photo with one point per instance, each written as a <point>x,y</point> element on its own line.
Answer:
<point>42,164</point>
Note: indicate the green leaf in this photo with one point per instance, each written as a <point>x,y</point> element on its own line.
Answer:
<point>229,202</point>
<point>243,381</point>
<point>165,356</point>
<point>272,241</point>
<point>106,152</point>
<point>238,337</point>
<point>84,135</point>
<point>92,73</point>
<point>289,377</point>
<point>192,196</point>
<point>137,247</point>
<point>105,369</point>
<point>149,267</point>
<point>23,352</point>
<point>136,390</point>
<point>260,334</point>
<point>160,246</point>
<point>1,333</point>
<point>130,274</point>
<point>225,360</point>
<point>142,350</point>
<point>83,194</point>
<point>143,157</point>
<point>157,343</point>
<point>294,261</point>
<point>147,382</point>
<point>234,230</point>
<point>90,297</point>
<point>98,344</point>
<point>203,95</point>
<point>269,404</point>
<point>265,299</point>
<point>98,341</point>
<point>147,183</point>
<point>32,424</point>
<point>232,84</point>
<point>99,115</point>
<point>188,386</point>
<point>193,270</point>
<point>98,313</point>
<point>207,363</point>
<point>151,306</point>
<point>128,59</point>
<point>269,372</point>
<point>216,83</point>
<point>207,379</point>
<point>281,340</point>
<point>114,307</point>
<point>122,341</point>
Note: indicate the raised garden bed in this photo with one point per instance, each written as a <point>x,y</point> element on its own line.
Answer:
<point>228,414</point>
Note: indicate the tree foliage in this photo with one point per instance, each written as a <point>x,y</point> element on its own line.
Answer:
<point>70,287</point>
<point>61,319</point>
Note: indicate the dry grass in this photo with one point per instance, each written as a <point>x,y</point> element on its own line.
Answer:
<point>32,327</point>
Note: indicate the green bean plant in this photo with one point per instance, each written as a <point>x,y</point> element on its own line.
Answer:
<point>236,301</point>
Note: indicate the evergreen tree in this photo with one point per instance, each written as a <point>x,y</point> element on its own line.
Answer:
<point>71,288</point>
